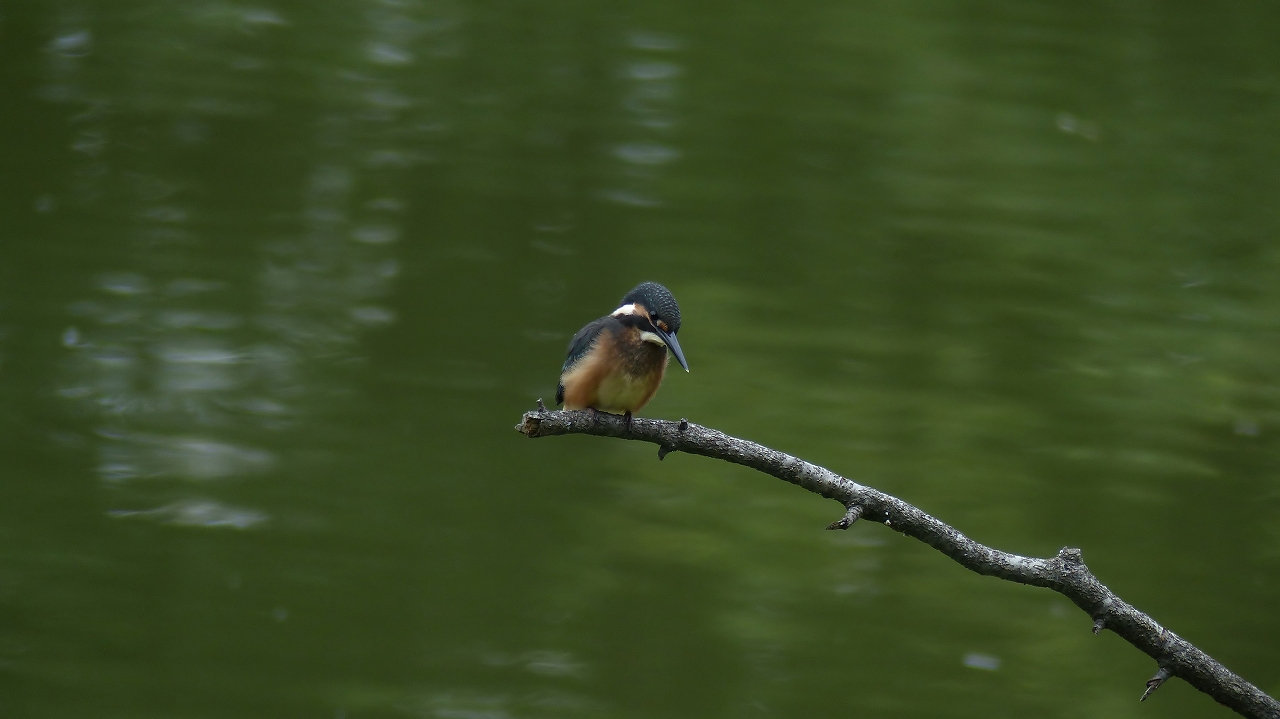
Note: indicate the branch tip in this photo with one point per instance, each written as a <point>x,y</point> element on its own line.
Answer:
<point>529,425</point>
<point>541,407</point>
<point>663,451</point>
<point>1154,682</point>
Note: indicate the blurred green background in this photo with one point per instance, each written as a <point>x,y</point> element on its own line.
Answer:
<point>277,280</point>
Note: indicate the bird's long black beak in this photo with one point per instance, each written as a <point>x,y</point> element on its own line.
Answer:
<point>674,346</point>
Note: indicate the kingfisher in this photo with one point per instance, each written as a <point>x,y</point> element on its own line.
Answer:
<point>616,363</point>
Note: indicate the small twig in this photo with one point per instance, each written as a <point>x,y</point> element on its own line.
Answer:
<point>850,516</point>
<point>1154,682</point>
<point>1065,573</point>
<point>1099,624</point>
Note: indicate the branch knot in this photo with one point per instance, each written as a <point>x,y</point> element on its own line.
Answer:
<point>1071,555</point>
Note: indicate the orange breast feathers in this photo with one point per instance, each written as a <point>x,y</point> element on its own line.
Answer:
<point>620,373</point>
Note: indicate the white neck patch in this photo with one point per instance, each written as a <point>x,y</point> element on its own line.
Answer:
<point>625,310</point>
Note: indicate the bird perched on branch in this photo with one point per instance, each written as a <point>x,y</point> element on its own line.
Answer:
<point>616,363</point>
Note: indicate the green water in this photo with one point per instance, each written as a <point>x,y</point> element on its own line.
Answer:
<point>276,281</point>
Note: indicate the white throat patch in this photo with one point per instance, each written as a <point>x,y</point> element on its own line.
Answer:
<point>648,336</point>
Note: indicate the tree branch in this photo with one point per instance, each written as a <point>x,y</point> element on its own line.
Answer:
<point>1065,573</point>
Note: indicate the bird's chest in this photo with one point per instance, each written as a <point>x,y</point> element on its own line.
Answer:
<point>638,358</point>
<point>637,372</point>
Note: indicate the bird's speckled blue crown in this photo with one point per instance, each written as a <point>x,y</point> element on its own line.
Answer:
<point>657,299</point>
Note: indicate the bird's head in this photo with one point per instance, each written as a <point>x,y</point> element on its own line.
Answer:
<point>655,304</point>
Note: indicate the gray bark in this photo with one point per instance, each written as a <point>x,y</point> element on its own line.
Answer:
<point>1065,573</point>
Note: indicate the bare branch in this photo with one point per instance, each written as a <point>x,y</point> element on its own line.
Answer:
<point>1065,573</point>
